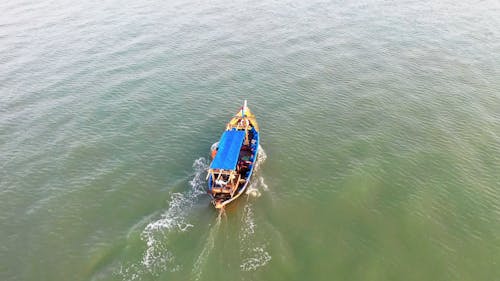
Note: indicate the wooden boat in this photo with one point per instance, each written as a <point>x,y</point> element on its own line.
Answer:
<point>233,158</point>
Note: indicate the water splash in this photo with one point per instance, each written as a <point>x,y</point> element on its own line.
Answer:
<point>261,157</point>
<point>253,188</point>
<point>253,192</point>
<point>258,259</point>
<point>248,224</point>
<point>263,184</point>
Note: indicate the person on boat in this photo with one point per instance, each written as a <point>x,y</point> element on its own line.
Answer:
<point>220,182</point>
<point>243,123</point>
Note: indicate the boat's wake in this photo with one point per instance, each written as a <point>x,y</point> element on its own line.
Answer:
<point>253,188</point>
<point>252,250</point>
<point>261,157</point>
<point>158,257</point>
<point>207,249</point>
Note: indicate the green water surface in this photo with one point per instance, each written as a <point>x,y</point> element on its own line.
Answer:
<point>380,130</point>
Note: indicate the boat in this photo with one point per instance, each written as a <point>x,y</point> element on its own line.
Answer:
<point>233,158</point>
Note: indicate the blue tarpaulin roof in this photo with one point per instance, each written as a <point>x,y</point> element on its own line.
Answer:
<point>229,150</point>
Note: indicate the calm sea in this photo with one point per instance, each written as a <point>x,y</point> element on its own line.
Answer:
<point>380,127</point>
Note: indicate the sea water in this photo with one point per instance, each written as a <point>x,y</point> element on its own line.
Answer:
<point>380,124</point>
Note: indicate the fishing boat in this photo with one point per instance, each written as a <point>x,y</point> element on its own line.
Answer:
<point>233,158</point>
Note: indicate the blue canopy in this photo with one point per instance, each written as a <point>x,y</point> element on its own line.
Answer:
<point>229,150</point>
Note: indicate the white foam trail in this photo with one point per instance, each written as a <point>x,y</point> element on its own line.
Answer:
<point>263,184</point>
<point>253,256</point>
<point>207,249</point>
<point>253,189</point>
<point>130,273</point>
<point>261,157</point>
<point>253,192</point>
<point>158,257</point>
<point>248,224</point>
<point>258,259</point>
<point>253,252</point>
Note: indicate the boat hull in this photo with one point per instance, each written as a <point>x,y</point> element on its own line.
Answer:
<point>242,190</point>
<point>233,159</point>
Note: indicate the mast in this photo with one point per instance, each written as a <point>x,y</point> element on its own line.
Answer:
<point>243,109</point>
